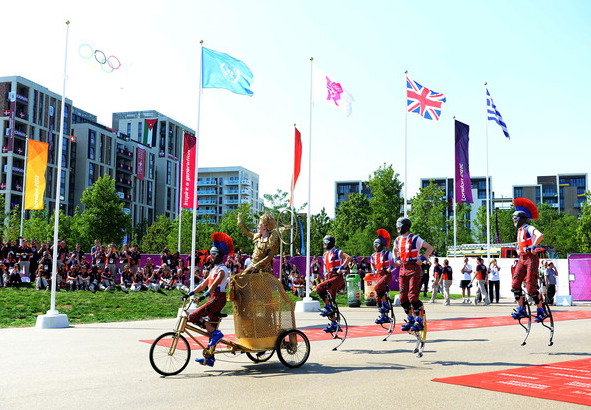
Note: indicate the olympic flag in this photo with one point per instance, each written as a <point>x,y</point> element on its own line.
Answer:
<point>223,71</point>
<point>189,154</point>
<point>463,185</point>
<point>35,174</point>
<point>326,89</point>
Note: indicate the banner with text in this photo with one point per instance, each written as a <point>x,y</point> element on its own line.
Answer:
<point>35,174</point>
<point>140,164</point>
<point>463,185</point>
<point>188,182</point>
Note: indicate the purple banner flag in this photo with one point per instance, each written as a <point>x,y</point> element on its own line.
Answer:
<point>463,184</point>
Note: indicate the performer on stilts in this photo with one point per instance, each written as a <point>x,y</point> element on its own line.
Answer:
<point>528,238</point>
<point>407,248</point>
<point>381,264</point>
<point>334,261</point>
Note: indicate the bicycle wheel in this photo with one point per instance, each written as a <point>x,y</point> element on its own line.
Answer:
<point>293,348</point>
<point>170,354</point>
<point>259,357</point>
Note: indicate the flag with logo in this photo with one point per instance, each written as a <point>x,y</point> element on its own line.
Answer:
<point>325,88</point>
<point>35,174</point>
<point>425,102</point>
<point>140,164</point>
<point>149,137</point>
<point>463,186</point>
<point>220,70</point>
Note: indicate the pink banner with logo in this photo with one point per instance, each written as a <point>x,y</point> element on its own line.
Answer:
<point>12,98</point>
<point>188,182</point>
<point>140,164</point>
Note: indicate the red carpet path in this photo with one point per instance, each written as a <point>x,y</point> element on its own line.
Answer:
<point>432,326</point>
<point>564,381</point>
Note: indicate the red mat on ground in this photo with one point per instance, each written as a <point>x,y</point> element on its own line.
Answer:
<point>432,326</point>
<point>564,381</point>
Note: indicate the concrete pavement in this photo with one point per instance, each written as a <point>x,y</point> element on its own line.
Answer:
<point>105,366</point>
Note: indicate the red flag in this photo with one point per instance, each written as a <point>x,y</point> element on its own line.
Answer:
<point>188,183</point>
<point>297,162</point>
<point>140,164</point>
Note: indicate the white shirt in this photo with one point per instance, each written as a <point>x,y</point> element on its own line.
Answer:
<point>467,272</point>
<point>494,273</point>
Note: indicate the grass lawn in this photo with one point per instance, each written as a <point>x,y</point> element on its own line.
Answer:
<point>20,307</point>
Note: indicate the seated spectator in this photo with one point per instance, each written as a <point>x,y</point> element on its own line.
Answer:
<point>126,278</point>
<point>153,281</point>
<point>14,278</point>
<point>95,278</point>
<point>299,286</point>
<point>4,275</point>
<point>139,281</point>
<point>107,280</point>
<point>166,279</point>
<point>72,278</point>
<point>85,276</point>
<point>41,280</point>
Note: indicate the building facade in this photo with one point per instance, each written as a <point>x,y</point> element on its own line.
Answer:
<point>29,110</point>
<point>344,189</point>
<point>564,192</point>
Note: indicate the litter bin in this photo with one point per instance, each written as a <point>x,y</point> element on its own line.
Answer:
<point>370,289</point>
<point>354,290</point>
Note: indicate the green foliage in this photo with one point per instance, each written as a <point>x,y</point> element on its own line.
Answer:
<point>558,229</point>
<point>507,231</point>
<point>13,229</point>
<point>428,216</point>
<point>320,226</point>
<point>386,201</point>
<point>139,230</point>
<point>103,217</point>
<point>229,225</point>
<point>156,238</point>
<point>2,214</point>
<point>583,232</point>
<point>351,216</point>
<point>202,234</point>
<point>38,226</point>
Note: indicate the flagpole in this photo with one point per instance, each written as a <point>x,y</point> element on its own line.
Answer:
<point>292,195</point>
<point>309,186</point>
<point>487,183</point>
<point>455,202</point>
<point>53,319</point>
<point>405,151</point>
<point>194,226</point>
<point>24,189</point>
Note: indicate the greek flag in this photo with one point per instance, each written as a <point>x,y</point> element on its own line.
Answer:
<point>223,71</point>
<point>494,114</point>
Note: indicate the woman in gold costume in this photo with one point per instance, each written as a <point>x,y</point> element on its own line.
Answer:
<point>265,241</point>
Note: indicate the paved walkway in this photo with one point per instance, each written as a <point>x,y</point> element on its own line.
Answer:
<point>106,366</point>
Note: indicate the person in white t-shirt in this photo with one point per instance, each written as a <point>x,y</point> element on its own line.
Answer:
<point>494,281</point>
<point>465,282</point>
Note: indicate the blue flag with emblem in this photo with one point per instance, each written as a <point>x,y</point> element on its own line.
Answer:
<point>223,71</point>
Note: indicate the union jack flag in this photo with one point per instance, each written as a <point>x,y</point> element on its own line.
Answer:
<point>423,101</point>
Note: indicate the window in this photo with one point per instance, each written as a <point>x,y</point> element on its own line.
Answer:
<point>63,185</point>
<point>151,167</point>
<point>66,119</point>
<point>149,201</point>
<point>91,143</point>
<point>168,172</point>
<point>139,131</point>
<point>129,129</point>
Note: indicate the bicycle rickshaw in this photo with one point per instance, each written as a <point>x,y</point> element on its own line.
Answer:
<point>264,323</point>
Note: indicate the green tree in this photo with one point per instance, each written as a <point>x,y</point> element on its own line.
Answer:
<point>428,216</point>
<point>12,230</point>
<point>38,226</point>
<point>228,224</point>
<point>351,216</point>
<point>139,231</point>
<point>558,228</point>
<point>320,226</point>
<point>386,201</point>
<point>2,214</point>
<point>583,233</point>
<point>103,217</point>
<point>202,234</point>
<point>156,238</point>
<point>507,231</point>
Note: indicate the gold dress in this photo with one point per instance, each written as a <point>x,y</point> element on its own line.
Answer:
<point>264,251</point>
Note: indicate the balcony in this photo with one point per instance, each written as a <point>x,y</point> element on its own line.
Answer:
<point>206,212</point>
<point>207,182</point>
<point>124,167</point>
<point>246,182</point>
<point>231,202</point>
<point>208,202</point>
<point>231,191</point>
<point>123,181</point>
<point>206,192</point>
<point>123,152</point>
<point>232,181</point>
<point>245,191</point>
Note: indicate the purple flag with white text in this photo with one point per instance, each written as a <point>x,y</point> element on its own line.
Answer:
<point>463,185</point>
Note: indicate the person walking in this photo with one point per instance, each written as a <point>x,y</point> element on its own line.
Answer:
<point>481,276</point>
<point>551,275</point>
<point>494,281</point>
<point>437,279</point>
<point>465,283</point>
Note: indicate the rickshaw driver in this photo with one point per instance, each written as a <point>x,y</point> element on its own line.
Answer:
<point>216,290</point>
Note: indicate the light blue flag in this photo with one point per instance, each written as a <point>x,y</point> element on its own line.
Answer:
<point>222,71</point>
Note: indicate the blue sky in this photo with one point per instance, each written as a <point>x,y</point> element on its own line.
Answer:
<point>533,54</point>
